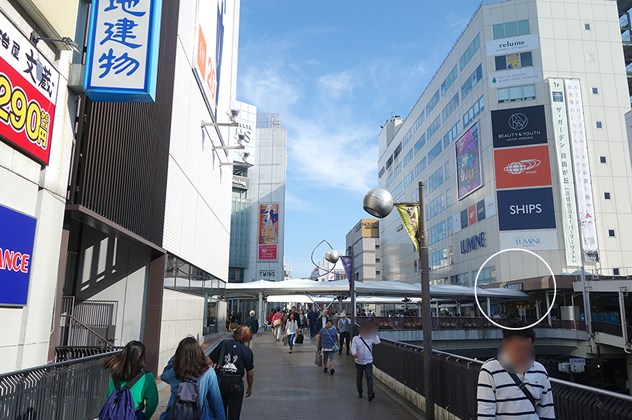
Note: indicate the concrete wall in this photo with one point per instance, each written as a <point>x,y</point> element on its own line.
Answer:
<point>182,315</point>
<point>37,191</point>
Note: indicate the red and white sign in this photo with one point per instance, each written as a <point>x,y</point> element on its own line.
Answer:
<point>471,214</point>
<point>522,167</point>
<point>28,93</point>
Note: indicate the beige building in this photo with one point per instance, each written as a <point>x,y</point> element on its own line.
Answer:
<point>363,242</point>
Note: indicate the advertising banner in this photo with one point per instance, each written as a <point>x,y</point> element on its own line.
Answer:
<point>490,205</point>
<point>468,162</point>
<point>471,214</point>
<point>565,171</point>
<point>410,219</point>
<point>122,54</point>
<point>480,210</point>
<point>540,240</point>
<point>583,185</point>
<point>522,167</point>
<point>526,209</point>
<point>514,77</point>
<point>213,21</point>
<point>28,94</point>
<point>269,231</point>
<point>346,264</point>
<point>519,126</point>
<point>464,219</point>
<point>513,44</point>
<point>456,223</point>
<point>17,234</point>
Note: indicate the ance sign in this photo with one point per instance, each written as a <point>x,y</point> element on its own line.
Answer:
<point>28,93</point>
<point>122,56</point>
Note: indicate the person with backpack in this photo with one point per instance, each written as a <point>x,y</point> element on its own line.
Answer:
<point>195,393</point>
<point>132,393</point>
<point>253,324</point>
<point>362,350</point>
<point>232,359</point>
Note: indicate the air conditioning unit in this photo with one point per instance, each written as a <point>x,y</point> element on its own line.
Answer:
<point>564,367</point>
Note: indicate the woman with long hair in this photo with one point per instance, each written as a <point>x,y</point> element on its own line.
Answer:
<point>291,329</point>
<point>190,362</point>
<point>125,366</point>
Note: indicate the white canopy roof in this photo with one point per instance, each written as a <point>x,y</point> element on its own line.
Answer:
<point>307,287</point>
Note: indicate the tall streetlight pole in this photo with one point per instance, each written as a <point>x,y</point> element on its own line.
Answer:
<point>379,203</point>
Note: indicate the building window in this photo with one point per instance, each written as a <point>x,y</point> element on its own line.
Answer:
<point>377,260</point>
<point>471,50</point>
<point>449,225</point>
<point>377,273</point>
<point>476,109</point>
<point>420,143</point>
<point>437,205</point>
<point>389,180</point>
<point>435,181</point>
<point>397,171</point>
<point>591,58</point>
<point>514,61</point>
<point>448,198</point>
<point>409,178</point>
<point>408,157</point>
<point>433,103</point>
<point>472,81</point>
<point>420,119</point>
<point>398,190</point>
<point>595,91</point>
<point>587,26</point>
<point>389,162</point>
<point>439,259</point>
<point>606,195</point>
<point>516,93</point>
<point>615,271</point>
<point>420,167</point>
<point>599,124</point>
<point>505,30</point>
<point>447,169</point>
<point>449,80</point>
<point>611,233</point>
<point>434,152</point>
<point>407,137</point>
<point>602,159</point>
<point>452,134</point>
<point>397,150</point>
<point>487,275</point>
<point>434,127</point>
<point>451,106</point>
<point>438,232</point>
<point>377,246</point>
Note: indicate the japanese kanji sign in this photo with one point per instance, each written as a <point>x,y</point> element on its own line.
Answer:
<point>565,173</point>
<point>581,169</point>
<point>28,94</point>
<point>122,56</point>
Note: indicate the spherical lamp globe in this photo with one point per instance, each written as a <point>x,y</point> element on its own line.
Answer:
<point>378,203</point>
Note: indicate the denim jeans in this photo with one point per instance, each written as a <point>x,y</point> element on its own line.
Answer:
<point>290,340</point>
<point>368,371</point>
<point>232,390</point>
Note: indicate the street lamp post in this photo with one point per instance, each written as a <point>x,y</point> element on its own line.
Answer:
<point>379,203</point>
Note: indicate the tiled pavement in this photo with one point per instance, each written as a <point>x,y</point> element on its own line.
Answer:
<point>291,386</point>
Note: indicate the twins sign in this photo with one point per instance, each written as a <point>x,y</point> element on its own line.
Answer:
<point>122,56</point>
<point>17,234</point>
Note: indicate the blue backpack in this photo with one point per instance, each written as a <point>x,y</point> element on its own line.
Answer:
<point>187,403</point>
<point>120,405</point>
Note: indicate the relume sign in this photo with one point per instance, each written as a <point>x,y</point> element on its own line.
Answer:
<point>473,243</point>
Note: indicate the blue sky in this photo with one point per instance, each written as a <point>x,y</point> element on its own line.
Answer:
<point>335,70</point>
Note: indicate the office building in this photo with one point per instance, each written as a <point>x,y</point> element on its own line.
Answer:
<point>520,138</point>
<point>363,243</point>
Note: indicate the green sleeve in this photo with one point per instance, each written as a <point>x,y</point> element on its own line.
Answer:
<point>110,388</point>
<point>150,395</point>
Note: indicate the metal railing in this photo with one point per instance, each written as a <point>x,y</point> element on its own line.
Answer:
<point>89,323</point>
<point>63,354</point>
<point>459,322</point>
<point>456,378</point>
<point>75,389</point>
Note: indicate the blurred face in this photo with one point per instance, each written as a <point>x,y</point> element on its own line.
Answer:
<point>516,354</point>
<point>328,324</point>
<point>324,312</point>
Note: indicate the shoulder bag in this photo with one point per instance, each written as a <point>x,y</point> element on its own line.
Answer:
<point>523,388</point>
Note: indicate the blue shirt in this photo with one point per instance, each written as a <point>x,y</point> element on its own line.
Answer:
<point>328,338</point>
<point>210,396</point>
<point>312,317</point>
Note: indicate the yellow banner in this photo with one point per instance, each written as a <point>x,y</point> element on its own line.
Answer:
<point>410,218</point>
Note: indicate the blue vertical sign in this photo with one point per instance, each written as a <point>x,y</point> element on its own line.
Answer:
<point>346,263</point>
<point>122,55</point>
<point>17,234</point>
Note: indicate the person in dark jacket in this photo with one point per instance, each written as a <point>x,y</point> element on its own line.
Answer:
<point>311,322</point>
<point>253,324</point>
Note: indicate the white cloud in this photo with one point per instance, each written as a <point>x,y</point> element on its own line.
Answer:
<point>337,84</point>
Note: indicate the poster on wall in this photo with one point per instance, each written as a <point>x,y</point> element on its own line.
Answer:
<point>268,231</point>
<point>28,94</point>
<point>468,162</point>
<point>526,209</point>
<point>513,44</point>
<point>122,50</point>
<point>522,167</point>
<point>583,185</point>
<point>516,76</point>
<point>537,240</point>
<point>214,18</point>
<point>519,126</point>
<point>572,244</point>
<point>17,235</point>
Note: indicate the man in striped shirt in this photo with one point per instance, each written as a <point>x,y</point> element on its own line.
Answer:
<point>499,394</point>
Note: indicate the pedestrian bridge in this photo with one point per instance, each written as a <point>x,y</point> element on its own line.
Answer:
<point>291,386</point>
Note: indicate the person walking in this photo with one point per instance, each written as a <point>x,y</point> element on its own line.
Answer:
<point>238,361</point>
<point>277,321</point>
<point>291,329</point>
<point>311,323</point>
<point>344,326</point>
<point>327,342</point>
<point>190,362</point>
<point>253,324</point>
<point>514,385</point>
<point>128,366</point>
<point>233,321</point>
<point>362,349</point>
<point>322,320</point>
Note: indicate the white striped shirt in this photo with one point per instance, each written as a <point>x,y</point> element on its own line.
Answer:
<point>500,398</point>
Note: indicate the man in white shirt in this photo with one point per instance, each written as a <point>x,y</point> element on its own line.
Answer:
<point>362,350</point>
<point>514,386</point>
